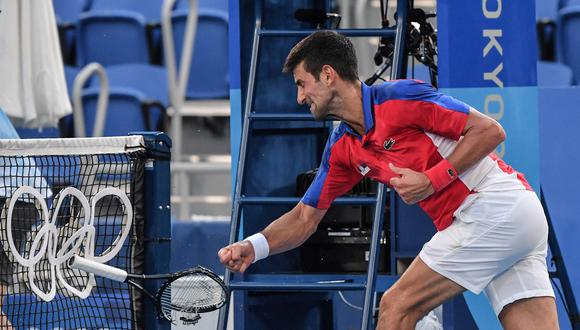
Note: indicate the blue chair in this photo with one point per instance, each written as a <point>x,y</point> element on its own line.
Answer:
<point>67,14</point>
<point>547,9</point>
<point>127,112</point>
<point>552,74</point>
<point>546,16</point>
<point>151,9</point>
<point>112,37</point>
<point>221,5</point>
<point>566,3</point>
<point>569,39</point>
<point>208,77</point>
<point>151,80</point>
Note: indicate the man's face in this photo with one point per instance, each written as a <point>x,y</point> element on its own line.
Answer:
<point>312,91</point>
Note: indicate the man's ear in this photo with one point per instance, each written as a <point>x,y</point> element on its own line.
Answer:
<point>327,74</point>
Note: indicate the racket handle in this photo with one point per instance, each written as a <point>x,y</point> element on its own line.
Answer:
<point>98,268</point>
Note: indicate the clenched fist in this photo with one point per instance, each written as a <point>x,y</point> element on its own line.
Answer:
<point>237,257</point>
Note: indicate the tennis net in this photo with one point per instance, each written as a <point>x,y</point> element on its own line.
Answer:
<point>58,198</point>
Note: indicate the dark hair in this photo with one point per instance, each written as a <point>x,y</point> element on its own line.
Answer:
<point>321,48</point>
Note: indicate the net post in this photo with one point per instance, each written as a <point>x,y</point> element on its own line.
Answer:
<point>158,218</point>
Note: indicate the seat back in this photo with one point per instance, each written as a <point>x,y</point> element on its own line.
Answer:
<point>569,39</point>
<point>221,5</point>
<point>112,37</point>
<point>151,9</point>
<point>124,113</point>
<point>68,11</point>
<point>547,9</point>
<point>151,80</point>
<point>209,75</point>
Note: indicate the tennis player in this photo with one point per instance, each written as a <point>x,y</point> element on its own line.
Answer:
<point>435,151</point>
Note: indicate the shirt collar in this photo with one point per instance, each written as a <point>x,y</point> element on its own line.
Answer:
<point>367,107</point>
<point>367,111</point>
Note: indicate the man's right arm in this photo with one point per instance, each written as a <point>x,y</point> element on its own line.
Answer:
<point>283,234</point>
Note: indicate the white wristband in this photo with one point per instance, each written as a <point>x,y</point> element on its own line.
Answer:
<point>260,244</point>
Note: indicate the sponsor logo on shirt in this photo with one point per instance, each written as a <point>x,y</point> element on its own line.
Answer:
<point>389,144</point>
<point>364,169</point>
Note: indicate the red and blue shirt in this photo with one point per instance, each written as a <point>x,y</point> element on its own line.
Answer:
<point>412,125</point>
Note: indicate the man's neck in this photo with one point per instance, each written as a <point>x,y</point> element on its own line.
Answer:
<point>349,107</point>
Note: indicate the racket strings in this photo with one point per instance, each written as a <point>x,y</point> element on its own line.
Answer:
<point>193,293</point>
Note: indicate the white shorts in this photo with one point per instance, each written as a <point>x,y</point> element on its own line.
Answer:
<point>497,243</point>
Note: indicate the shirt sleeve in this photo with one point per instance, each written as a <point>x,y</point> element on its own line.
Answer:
<point>420,105</point>
<point>333,179</point>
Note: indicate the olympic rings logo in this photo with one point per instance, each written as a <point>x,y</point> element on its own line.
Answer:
<point>44,245</point>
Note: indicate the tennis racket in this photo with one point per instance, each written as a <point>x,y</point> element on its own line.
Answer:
<point>181,297</point>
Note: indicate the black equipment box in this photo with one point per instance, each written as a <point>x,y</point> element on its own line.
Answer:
<point>342,241</point>
<point>346,250</point>
<point>343,216</point>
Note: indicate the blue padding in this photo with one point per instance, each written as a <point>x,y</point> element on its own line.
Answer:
<point>560,177</point>
<point>418,72</point>
<point>60,170</point>
<point>209,75</point>
<point>554,74</point>
<point>112,37</point>
<point>70,73</point>
<point>98,311</point>
<point>35,133</point>
<point>197,243</point>
<point>107,229</point>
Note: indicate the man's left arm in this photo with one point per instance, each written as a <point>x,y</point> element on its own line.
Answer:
<point>481,135</point>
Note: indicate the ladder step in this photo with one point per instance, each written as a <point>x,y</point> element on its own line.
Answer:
<point>312,286</point>
<point>388,32</point>
<point>293,200</point>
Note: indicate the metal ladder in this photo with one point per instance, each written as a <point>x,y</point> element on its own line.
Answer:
<point>239,199</point>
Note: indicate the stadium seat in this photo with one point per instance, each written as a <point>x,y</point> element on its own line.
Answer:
<point>112,37</point>
<point>221,5</point>
<point>547,9</point>
<point>208,78</point>
<point>569,39</point>
<point>546,16</point>
<point>552,74</point>
<point>128,111</point>
<point>151,80</point>
<point>151,11</point>
<point>70,73</point>
<point>566,3</point>
<point>67,15</point>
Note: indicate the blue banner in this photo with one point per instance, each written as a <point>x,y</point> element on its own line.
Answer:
<point>487,58</point>
<point>486,43</point>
